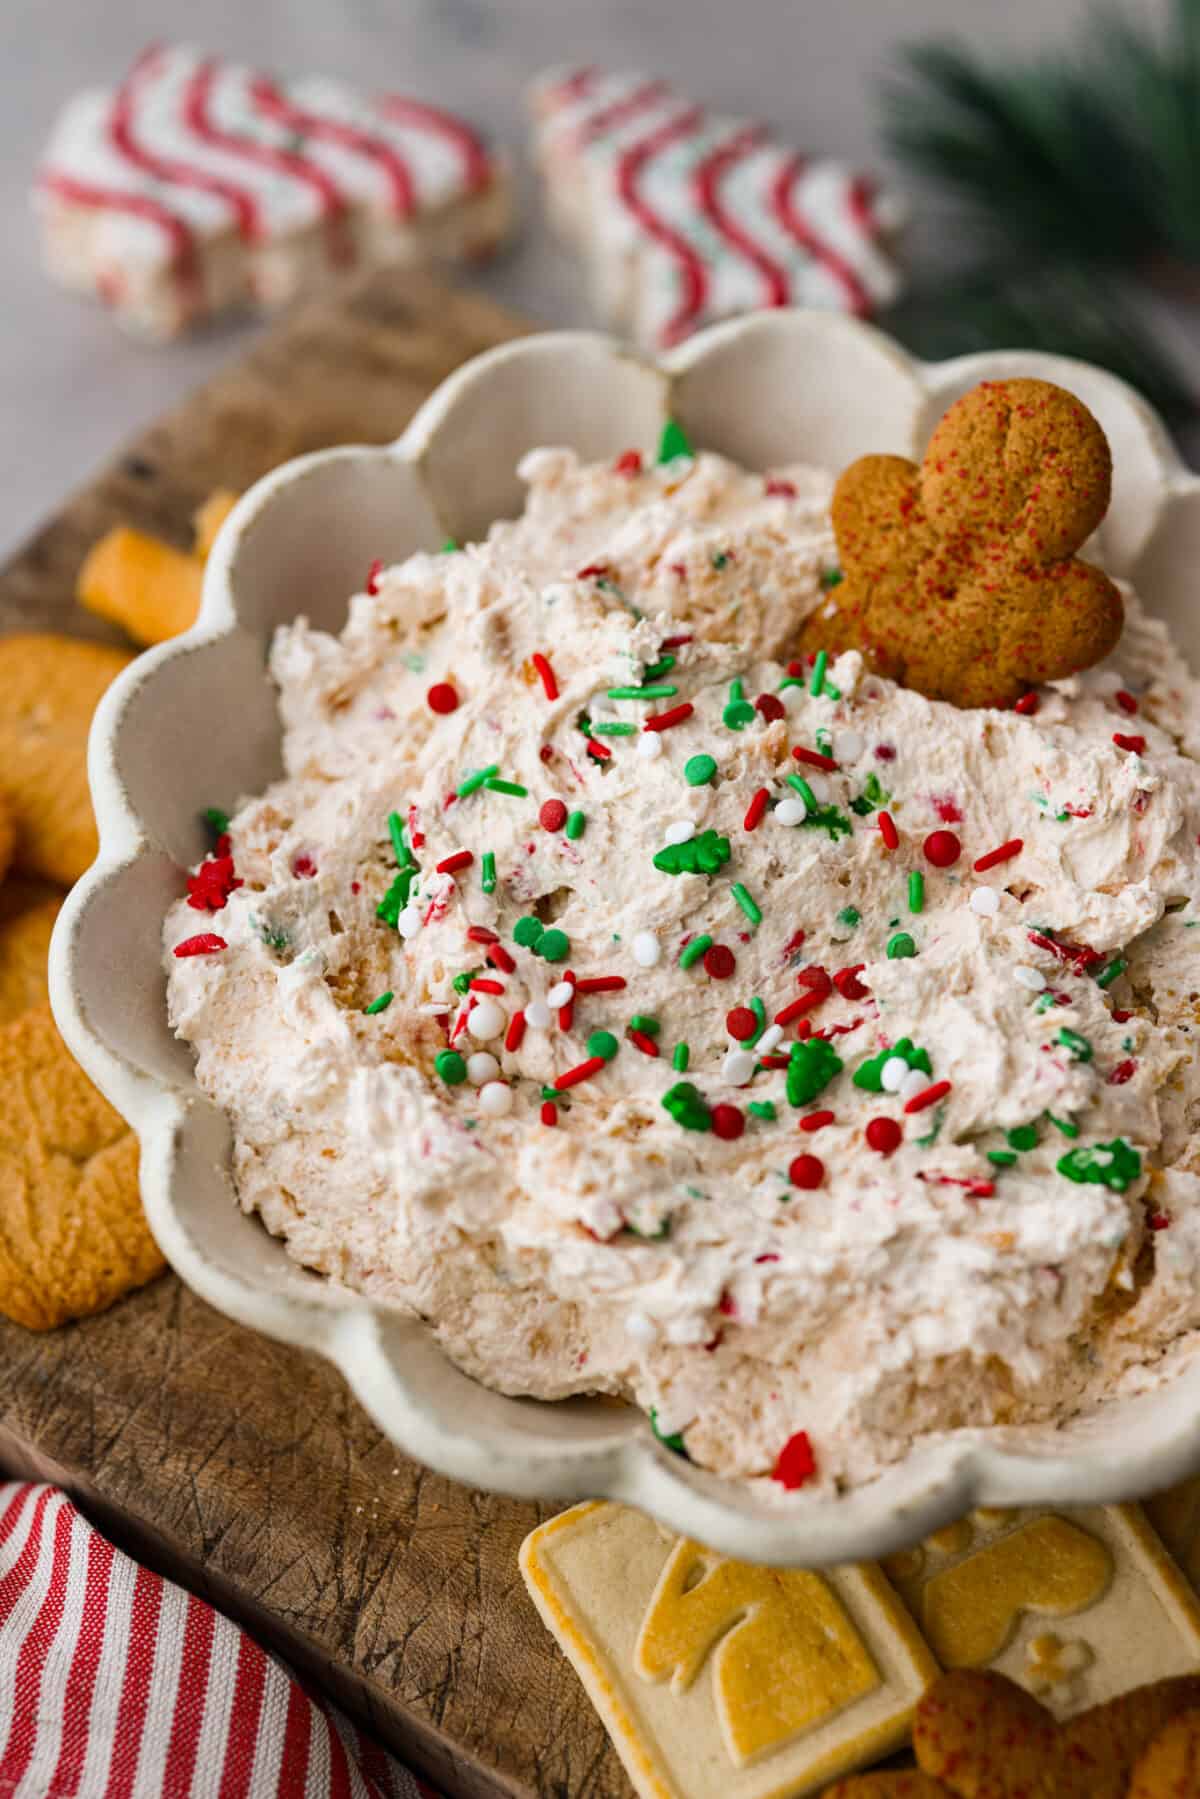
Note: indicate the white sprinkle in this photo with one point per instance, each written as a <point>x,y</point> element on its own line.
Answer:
<point>771,1037</point>
<point>409,922</point>
<point>790,812</point>
<point>649,746</point>
<point>893,1074</point>
<point>1102,1157</point>
<point>538,1015</point>
<point>913,1083</point>
<point>561,994</point>
<point>793,697</point>
<point>985,901</point>
<point>482,1067</point>
<point>682,831</point>
<point>486,1020</point>
<point>738,1067</point>
<point>1032,978</point>
<point>647,950</point>
<point>639,1327</point>
<point>848,746</point>
<point>495,1098</point>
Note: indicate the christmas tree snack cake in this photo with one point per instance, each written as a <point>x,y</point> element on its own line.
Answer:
<point>687,960</point>
<point>197,185</point>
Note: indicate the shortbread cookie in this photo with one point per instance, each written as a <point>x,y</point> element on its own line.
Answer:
<point>72,1235</point>
<point>684,217</point>
<point>49,688</point>
<point>27,913</point>
<point>148,587</point>
<point>718,1678</point>
<point>198,184</point>
<point>8,836</point>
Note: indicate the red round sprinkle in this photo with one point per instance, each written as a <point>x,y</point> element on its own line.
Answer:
<point>797,1463</point>
<point>888,831</point>
<point>553,815</point>
<point>1125,700</point>
<point>741,1023</point>
<point>629,462</point>
<point>727,1122</point>
<point>442,697</point>
<point>1027,705</point>
<point>928,1096</point>
<point>848,984</point>
<point>806,1171</point>
<point>304,868</point>
<point>206,944</point>
<point>1004,852</point>
<point>719,962</point>
<point>796,670</point>
<point>815,1121</point>
<point>1120,1017</point>
<point>755,809</point>
<point>884,1134</point>
<point>942,848</point>
<point>1159,1221</point>
<point>770,706</point>
<point>1124,741</point>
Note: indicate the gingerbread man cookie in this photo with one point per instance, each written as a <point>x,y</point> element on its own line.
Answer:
<point>960,575</point>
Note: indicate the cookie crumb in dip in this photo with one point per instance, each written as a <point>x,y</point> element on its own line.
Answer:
<point>801,1059</point>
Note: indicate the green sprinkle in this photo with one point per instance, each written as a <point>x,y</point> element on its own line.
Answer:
<point>1113,1164</point>
<point>818,675</point>
<point>487,871</point>
<point>1109,973</point>
<point>874,794</point>
<point>613,728</point>
<point>692,952</point>
<point>824,740</point>
<point>1002,1158</point>
<point>575,825</point>
<point>812,1064</point>
<point>686,1106</point>
<point>931,1136</point>
<point>791,681</point>
<point>514,787</point>
<point>673,1442</point>
<point>763,1108</point>
<point>272,935</point>
<point>1080,1048</point>
<point>699,770</point>
<point>399,843</point>
<point>831,577</point>
<point>379,1005</point>
<point>1067,1126</point>
<point>833,693</point>
<point>805,791</point>
<point>849,915</point>
<point>916,891</point>
<point>662,691</point>
<point>396,897</point>
<point>602,1043</point>
<point>449,547</point>
<point>674,443</point>
<point>528,931</point>
<point>899,946</point>
<point>554,946</point>
<point>1023,1136</point>
<point>760,1012</point>
<point>474,782</point>
<point>748,904</point>
<point>1044,1002</point>
<point>642,1021</point>
<point>869,1074</point>
<point>720,559</point>
<point>462,982</point>
<point>451,1067</point>
<point>699,855</point>
<point>216,820</point>
<point>680,1056</point>
<point>737,715</point>
<point>663,666</point>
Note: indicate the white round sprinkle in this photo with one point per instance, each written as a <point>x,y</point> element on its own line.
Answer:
<point>538,1015</point>
<point>482,1067</point>
<point>848,746</point>
<point>791,812</point>
<point>1102,1157</point>
<point>486,1020</point>
<point>409,922</point>
<point>495,1098</point>
<point>738,1067</point>
<point>639,1328</point>
<point>770,1039</point>
<point>914,1082</point>
<point>893,1074</point>
<point>793,697</point>
<point>561,994</point>
<point>647,950</point>
<point>649,746</point>
<point>985,901</point>
<point>682,831</point>
<point>1032,978</point>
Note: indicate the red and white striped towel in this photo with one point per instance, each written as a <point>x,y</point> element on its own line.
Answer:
<point>117,1684</point>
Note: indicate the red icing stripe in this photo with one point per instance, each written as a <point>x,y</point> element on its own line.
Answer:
<point>619,112</point>
<point>706,180</point>
<point>86,193</point>
<point>477,164</point>
<point>691,266</point>
<point>792,219</point>
<point>121,132</point>
<point>269,100</point>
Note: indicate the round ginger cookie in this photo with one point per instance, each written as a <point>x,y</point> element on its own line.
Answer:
<point>27,913</point>
<point>73,1237</point>
<point>900,1784</point>
<point>49,689</point>
<point>1170,1767</point>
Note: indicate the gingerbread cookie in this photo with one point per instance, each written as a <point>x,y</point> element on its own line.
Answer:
<point>72,1235</point>
<point>8,836</point>
<point>959,576</point>
<point>27,913</point>
<point>1170,1767</point>
<point>49,688</point>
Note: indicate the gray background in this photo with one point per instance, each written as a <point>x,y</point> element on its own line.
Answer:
<point>71,386</point>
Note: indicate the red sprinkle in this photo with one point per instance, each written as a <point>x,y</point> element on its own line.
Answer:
<point>778,488</point>
<point>304,868</point>
<point>796,1007</point>
<point>1124,1071</point>
<point>1125,742</point>
<point>884,1134</point>
<point>797,1464</point>
<point>1027,705</point>
<point>814,975</point>
<point>600,751</point>
<point>806,1171</point>
<point>1125,700</point>
<point>549,1112</point>
<point>515,1031</point>
<point>601,983</point>
<point>566,1014</point>
<point>1003,852</point>
<point>594,571</point>
<point>675,643</point>
<point>629,462</point>
<point>728,1122</point>
<point>647,1045</point>
<point>582,1071</point>
<point>662,721</point>
<point>479,933</point>
<point>442,697</point>
<point>942,848</point>
<point>719,962</point>
<point>755,810</point>
<point>888,831</point>
<point>451,864</point>
<point>815,1121</point>
<point>770,707</point>
<point>1078,955</point>
<point>206,944</point>
<point>774,1061</point>
<point>484,984</point>
<point>796,671</point>
<point>741,1023</point>
<point>373,574</point>
<point>549,684</point>
<point>212,884</point>
<point>1120,1017</point>
<point>848,984</point>
<point>928,1096</point>
<point>499,958</point>
<point>1159,1221</point>
<point>553,815</point>
<point>813,758</point>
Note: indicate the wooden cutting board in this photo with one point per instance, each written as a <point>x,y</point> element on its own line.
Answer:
<point>242,1468</point>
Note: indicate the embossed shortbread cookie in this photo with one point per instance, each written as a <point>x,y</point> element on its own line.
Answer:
<point>1076,1606</point>
<point>717,1678</point>
<point>198,184</point>
<point>684,217</point>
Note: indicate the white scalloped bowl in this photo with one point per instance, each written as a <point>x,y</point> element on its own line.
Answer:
<point>196,717</point>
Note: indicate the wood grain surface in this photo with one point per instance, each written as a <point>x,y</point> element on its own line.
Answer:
<point>236,1465</point>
